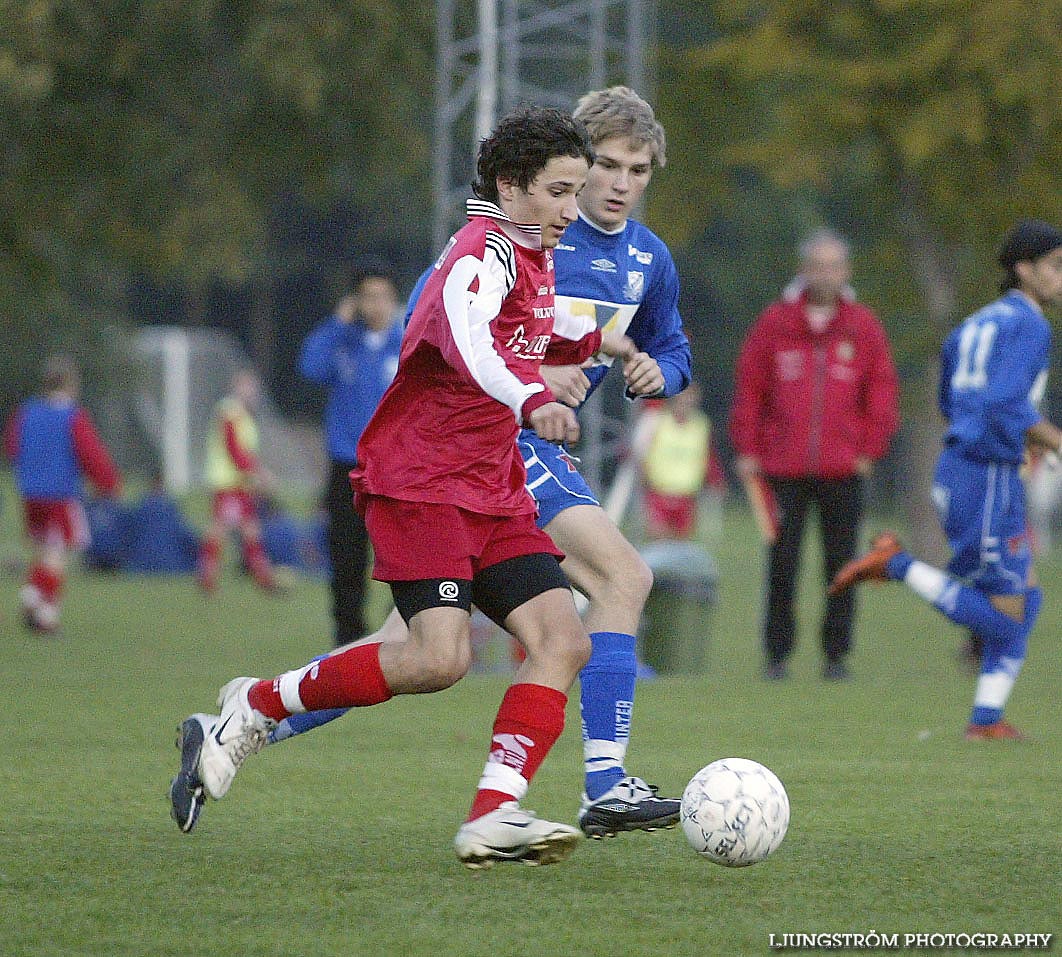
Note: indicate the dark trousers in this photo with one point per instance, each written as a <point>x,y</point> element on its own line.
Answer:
<point>840,508</point>
<point>348,552</point>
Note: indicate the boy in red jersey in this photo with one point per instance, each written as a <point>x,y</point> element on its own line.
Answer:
<point>441,484</point>
<point>53,445</point>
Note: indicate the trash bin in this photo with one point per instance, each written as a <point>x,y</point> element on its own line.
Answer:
<point>677,618</point>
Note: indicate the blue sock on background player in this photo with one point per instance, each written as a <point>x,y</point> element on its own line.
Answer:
<point>1002,664</point>
<point>1005,638</point>
<point>962,604</point>
<point>606,700</point>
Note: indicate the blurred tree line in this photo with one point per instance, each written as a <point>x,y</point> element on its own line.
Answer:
<point>222,162</point>
<point>919,128</point>
<point>202,161</point>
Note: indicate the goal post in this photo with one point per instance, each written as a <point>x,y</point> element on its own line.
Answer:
<point>183,374</point>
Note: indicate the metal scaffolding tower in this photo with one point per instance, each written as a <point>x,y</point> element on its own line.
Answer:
<point>493,55</point>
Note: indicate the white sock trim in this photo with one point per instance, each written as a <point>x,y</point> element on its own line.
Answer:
<point>501,777</point>
<point>993,690</point>
<point>289,688</point>
<point>926,581</point>
<point>600,748</point>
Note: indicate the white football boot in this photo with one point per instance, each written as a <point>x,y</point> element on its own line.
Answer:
<point>512,834</point>
<point>238,732</point>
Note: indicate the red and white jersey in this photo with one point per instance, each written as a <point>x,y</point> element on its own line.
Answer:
<point>468,375</point>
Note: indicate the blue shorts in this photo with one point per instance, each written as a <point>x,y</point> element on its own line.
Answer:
<point>982,511</point>
<point>552,477</point>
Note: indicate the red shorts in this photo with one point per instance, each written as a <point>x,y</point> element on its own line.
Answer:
<point>418,540</point>
<point>675,514</point>
<point>233,507</point>
<point>54,523</point>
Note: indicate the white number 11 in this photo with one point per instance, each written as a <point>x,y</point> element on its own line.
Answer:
<point>975,345</point>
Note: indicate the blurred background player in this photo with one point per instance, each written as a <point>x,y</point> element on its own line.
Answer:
<point>816,402</point>
<point>678,464</point>
<point>354,353</point>
<point>53,445</point>
<point>993,376</point>
<point>447,508</point>
<point>237,478</point>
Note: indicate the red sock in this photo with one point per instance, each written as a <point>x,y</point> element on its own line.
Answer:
<point>352,679</point>
<point>258,563</point>
<point>529,721</point>
<point>47,581</point>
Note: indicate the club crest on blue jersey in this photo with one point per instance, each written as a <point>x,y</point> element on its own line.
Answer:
<point>635,288</point>
<point>569,460</point>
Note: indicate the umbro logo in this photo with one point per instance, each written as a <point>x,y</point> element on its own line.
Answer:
<point>603,265</point>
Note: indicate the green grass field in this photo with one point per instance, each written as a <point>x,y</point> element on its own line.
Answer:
<point>339,843</point>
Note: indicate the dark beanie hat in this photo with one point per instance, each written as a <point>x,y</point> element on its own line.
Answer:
<point>1028,240</point>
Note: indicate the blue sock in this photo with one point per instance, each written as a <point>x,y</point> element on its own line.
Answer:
<point>301,723</point>
<point>1034,599</point>
<point>972,608</point>
<point>606,701</point>
<point>1002,662</point>
<point>896,567</point>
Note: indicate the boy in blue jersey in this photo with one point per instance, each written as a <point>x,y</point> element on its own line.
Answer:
<point>615,269</point>
<point>993,374</point>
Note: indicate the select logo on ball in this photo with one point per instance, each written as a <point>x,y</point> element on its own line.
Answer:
<point>735,812</point>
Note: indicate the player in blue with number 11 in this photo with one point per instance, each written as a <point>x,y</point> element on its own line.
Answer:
<point>993,375</point>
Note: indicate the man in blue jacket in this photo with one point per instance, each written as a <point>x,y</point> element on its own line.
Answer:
<point>354,353</point>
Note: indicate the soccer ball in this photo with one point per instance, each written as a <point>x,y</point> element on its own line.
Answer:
<point>735,812</point>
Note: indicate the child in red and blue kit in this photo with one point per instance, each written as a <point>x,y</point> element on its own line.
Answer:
<point>53,445</point>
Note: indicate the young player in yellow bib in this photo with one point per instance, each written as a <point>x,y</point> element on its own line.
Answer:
<point>678,465</point>
<point>236,476</point>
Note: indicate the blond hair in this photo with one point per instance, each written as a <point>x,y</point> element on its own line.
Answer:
<point>619,111</point>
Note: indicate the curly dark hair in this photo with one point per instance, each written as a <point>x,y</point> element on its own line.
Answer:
<point>523,143</point>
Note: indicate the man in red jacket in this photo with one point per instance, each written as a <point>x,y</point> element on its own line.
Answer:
<point>815,406</point>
